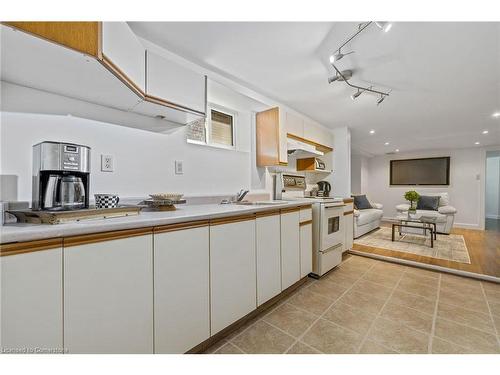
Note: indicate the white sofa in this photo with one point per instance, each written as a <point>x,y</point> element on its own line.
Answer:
<point>444,209</point>
<point>367,220</point>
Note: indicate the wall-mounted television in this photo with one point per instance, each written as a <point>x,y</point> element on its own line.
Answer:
<point>424,171</point>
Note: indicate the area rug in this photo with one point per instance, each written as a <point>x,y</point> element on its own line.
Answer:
<point>450,247</point>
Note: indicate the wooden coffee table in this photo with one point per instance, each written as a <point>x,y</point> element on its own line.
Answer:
<point>426,223</point>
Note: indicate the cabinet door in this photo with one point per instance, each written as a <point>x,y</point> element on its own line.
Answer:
<point>290,249</point>
<point>317,134</point>
<point>125,51</point>
<point>268,257</point>
<point>349,231</point>
<point>283,145</point>
<point>171,82</point>
<point>108,296</point>
<point>305,250</point>
<point>31,307</point>
<point>232,272</point>
<point>181,289</point>
<point>294,125</point>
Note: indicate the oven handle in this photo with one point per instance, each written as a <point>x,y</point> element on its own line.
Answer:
<point>330,249</point>
<point>335,206</point>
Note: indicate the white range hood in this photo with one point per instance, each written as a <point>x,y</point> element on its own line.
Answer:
<point>300,149</point>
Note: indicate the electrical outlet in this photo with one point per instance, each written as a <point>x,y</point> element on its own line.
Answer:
<point>107,163</point>
<point>178,167</point>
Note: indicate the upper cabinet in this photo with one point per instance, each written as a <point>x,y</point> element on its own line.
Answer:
<point>294,125</point>
<point>317,134</point>
<point>102,63</point>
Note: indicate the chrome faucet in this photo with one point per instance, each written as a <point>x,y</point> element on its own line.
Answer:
<point>237,198</point>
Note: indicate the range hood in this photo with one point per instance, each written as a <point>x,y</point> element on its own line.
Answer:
<point>300,149</point>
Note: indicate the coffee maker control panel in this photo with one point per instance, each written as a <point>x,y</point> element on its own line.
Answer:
<point>71,157</point>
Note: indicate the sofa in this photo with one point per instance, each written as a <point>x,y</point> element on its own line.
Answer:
<point>367,220</point>
<point>444,211</point>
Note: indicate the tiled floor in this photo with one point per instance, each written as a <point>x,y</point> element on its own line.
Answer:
<point>370,306</point>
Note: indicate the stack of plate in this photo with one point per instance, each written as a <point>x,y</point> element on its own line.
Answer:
<point>164,201</point>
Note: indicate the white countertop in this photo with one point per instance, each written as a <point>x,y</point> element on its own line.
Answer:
<point>19,232</point>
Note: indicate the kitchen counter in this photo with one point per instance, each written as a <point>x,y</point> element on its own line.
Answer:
<point>20,232</point>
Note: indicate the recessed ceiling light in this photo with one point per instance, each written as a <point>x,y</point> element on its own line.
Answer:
<point>386,144</point>
<point>477,143</point>
<point>396,150</point>
<point>372,131</point>
<point>485,131</point>
<point>496,114</point>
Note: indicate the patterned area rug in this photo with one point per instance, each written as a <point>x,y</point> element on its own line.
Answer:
<point>450,247</point>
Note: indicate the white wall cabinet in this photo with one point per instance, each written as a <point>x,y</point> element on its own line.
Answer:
<point>32,304</point>
<point>290,248</point>
<point>317,134</point>
<point>181,289</point>
<point>232,272</point>
<point>305,249</point>
<point>108,296</point>
<point>268,247</point>
<point>294,124</point>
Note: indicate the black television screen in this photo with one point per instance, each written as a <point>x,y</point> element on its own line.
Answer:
<point>426,171</point>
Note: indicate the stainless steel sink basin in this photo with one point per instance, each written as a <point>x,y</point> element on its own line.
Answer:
<point>260,203</point>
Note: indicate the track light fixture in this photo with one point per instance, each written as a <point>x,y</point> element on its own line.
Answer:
<point>344,76</point>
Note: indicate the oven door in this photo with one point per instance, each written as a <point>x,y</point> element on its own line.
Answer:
<point>332,226</point>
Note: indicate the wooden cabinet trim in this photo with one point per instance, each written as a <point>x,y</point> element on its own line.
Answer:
<point>348,200</point>
<point>267,213</point>
<point>348,213</point>
<point>268,137</point>
<point>118,73</point>
<point>180,226</point>
<point>306,206</point>
<point>290,209</point>
<point>232,219</point>
<point>305,223</point>
<point>105,236</point>
<point>165,103</point>
<point>318,146</point>
<point>29,246</point>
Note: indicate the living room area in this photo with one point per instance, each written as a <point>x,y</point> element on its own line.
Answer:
<point>429,208</point>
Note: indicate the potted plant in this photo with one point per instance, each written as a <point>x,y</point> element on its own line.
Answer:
<point>412,196</point>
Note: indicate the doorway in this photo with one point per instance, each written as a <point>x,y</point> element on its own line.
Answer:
<point>492,194</point>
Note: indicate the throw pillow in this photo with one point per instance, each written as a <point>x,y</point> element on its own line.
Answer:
<point>426,202</point>
<point>361,202</point>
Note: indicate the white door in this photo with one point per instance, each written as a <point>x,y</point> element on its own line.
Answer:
<point>232,272</point>
<point>181,289</point>
<point>268,257</point>
<point>31,300</point>
<point>108,296</point>
<point>122,47</point>
<point>290,249</point>
<point>305,250</point>
<point>168,80</point>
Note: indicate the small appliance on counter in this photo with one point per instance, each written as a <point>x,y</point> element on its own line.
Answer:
<point>61,176</point>
<point>324,189</point>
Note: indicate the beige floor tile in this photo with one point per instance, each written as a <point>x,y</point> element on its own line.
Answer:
<point>309,301</point>
<point>371,347</point>
<point>456,297</point>
<point>470,318</point>
<point>263,338</point>
<point>469,290</point>
<point>341,279</point>
<point>495,308</point>
<point>219,344</point>
<point>496,321</point>
<point>290,319</point>
<point>444,347</point>
<point>448,278</point>
<point>330,338</point>
<point>492,295</point>
<point>229,349</point>
<point>327,289</point>
<point>398,337</point>
<point>491,286</point>
<point>409,317</point>
<point>419,303</point>
<point>421,279</point>
<point>362,301</point>
<point>424,272</point>
<point>387,280</point>
<point>415,287</point>
<point>301,348</point>
<point>350,317</point>
<point>377,290</point>
<point>467,337</point>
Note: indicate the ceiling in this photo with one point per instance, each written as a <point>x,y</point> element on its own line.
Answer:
<point>444,76</point>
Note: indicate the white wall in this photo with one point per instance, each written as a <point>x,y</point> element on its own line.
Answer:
<point>493,187</point>
<point>359,173</point>
<point>465,190</point>
<point>340,179</point>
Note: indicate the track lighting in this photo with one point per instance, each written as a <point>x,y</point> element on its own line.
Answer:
<point>342,76</point>
<point>384,26</point>
<point>339,55</point>
<point>381,99</point>
<point>356,94</point>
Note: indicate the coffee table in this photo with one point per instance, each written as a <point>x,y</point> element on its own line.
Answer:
<point>426,223</point>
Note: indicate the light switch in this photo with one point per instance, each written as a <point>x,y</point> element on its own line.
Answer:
<point>178,167</point>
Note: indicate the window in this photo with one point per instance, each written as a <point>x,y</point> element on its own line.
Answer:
<point>217,130</point>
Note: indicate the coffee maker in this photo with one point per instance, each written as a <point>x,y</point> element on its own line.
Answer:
<point>61,176</point>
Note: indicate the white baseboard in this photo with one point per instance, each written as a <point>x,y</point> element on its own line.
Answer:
<point>492,216</point>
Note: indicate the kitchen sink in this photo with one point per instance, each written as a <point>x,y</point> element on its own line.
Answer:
<point>260,203</point>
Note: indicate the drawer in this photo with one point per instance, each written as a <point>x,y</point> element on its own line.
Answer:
<point>349,207</point>
<point>305,214</point>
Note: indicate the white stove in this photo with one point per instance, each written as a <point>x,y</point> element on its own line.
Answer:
<point>328,221</point>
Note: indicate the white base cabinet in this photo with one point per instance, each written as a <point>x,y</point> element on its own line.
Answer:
<point>181,289</point>
<point>232,272</point>
<point>305,250</point>
<point>108,296</point>
<point>268,247</point>
<point>290,248</point>
<point>31,302</point>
